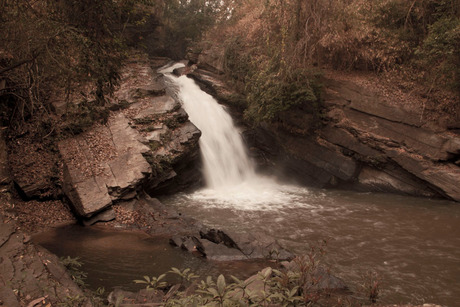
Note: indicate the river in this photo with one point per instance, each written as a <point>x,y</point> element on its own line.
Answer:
<point>412,243</point>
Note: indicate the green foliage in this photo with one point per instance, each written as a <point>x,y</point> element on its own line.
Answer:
<point>72,301</point>
<point>79,117</point>
<point>429,36</point>
<point>441,51</point>
<point>185,22</point>
<point>237,61</point>
<point>271,85</point>
<point>294,287</point>
<point>152,282</point>
<point>186,275</point>
<point>60,46</point>
<point>73,266</point>
<point>274,37</point>
<point>270,93</point>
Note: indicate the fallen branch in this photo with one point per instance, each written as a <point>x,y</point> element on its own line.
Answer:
<point>37,301</point>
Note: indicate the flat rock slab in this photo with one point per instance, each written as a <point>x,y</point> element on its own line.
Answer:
<point>159,105</point>
<point>29,272</point>
<point>118,174</point>
<point>138,80</point>
<point>359,98</point>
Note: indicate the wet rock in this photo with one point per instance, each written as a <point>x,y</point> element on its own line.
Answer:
<point>392,180</point>
<point>192,244</point>
<point>218,237</point>
<point>104,216</point>
<point>150,215</point>
<point>374,105</point>
<point>221,246</point>
<point>179,71</point>
<point>188,69</point>
<point>259,246</point>
<point>210,83</point>
<point>30,272</point>
<point>441,176</point>
<point>367,142</point>
<point>210,58</point>
<point>221,252</point>
<point>182,153</point>
<point>138,80</point>
<point>158,105</point>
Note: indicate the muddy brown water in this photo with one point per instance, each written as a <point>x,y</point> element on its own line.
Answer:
<point>115,258</point>
<point>412,243</point>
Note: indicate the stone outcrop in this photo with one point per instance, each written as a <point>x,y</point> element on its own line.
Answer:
<point>148,145</point>
<point>92,185</point>
<point>30,275</point>
<point>230,246</point>
<point>395,150</point>
<point>365,141</point>
<point>156,219</point>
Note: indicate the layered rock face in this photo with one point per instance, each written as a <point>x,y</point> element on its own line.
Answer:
<point>394,149</point>
<point>149,145</point>
<point>368,144</point>
<point>364,141</point>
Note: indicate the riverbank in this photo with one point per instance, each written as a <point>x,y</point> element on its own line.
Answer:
<point>162,148</point>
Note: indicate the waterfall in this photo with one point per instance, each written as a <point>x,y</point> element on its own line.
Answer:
<point>225,160</point>
<point>230,177</point>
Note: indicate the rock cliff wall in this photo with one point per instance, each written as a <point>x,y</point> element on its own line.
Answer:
<point>149,145</point>
<point>364,141</point>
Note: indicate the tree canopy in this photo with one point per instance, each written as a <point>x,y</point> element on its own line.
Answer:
<point>59,45</point>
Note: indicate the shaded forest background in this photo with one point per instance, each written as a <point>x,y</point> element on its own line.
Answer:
<point>274,50</point>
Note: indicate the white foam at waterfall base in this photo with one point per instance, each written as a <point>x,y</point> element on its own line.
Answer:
<point>260,194</point>
<point>230,176</point>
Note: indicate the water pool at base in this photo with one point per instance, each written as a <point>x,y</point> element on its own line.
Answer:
<point>115,258</point>
<point>412,243</point>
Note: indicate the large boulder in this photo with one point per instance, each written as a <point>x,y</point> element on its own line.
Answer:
<point>149,145</point>
<point>102,165</point>
<point>226,245</point>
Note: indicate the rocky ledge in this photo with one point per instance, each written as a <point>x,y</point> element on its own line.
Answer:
<point>31,276</point>
<point>367,140</point>
<point>147,145</point>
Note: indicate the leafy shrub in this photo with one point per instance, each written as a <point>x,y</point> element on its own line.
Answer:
<point>73,266</point>
<point>269,94</point>
<point>293,287</point>
<point>441,50</point>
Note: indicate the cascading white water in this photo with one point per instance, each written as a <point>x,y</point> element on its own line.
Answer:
<point>225,160</point>
<point>229,173</point>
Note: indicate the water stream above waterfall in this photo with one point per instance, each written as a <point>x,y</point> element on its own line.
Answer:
<point>412,243</point>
